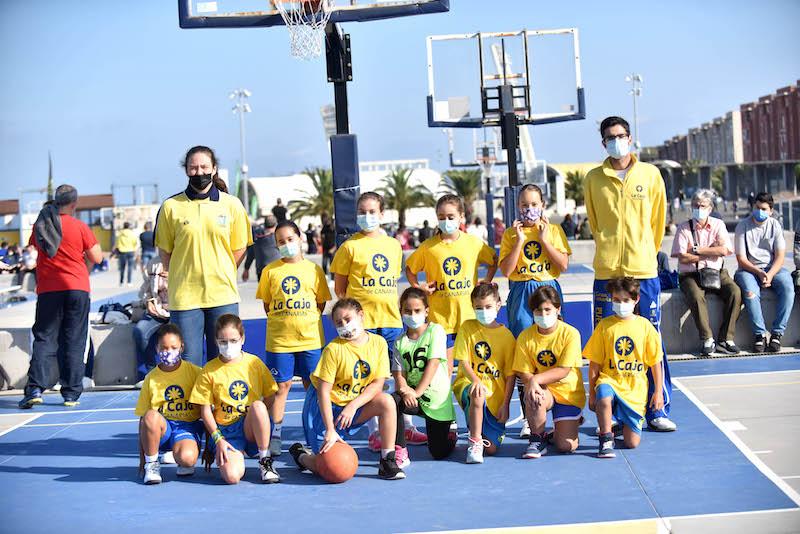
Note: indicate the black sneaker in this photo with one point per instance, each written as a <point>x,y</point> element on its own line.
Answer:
<point>775,343</point>
<point>268,473</point>
<point>297,450</point>
<point>760,343</point>
<point>29,401</point>
<point>606,448</point>
<point>728,347</point>
<point>537,446</point>
<point>388,468</point>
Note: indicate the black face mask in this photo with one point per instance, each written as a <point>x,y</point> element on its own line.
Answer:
<point>200,181</point>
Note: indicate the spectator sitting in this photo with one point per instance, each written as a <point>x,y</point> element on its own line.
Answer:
<point>760,251</point>
<point>27,264</point>
<point>701,243</point>
<point>568,225</point>
<point>3,249</point>
<point>155,300</point>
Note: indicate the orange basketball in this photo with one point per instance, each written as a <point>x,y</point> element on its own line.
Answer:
<point>338,464</point>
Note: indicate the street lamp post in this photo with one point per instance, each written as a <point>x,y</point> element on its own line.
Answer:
<point>636,91</point>
<point>240,106</point>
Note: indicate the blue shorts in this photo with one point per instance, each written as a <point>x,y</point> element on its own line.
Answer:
<point>623,413</point>
<point>493,430</point>
<point>234,434</point>
<point>565,412</point>
<point>314,425</point>
<point>520,316</point>
<point>286,365</point>
<point>178,431</point>
<point>451,340</point>
<point>389,334</point>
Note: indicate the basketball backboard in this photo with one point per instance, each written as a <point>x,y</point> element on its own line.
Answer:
<point>465,72</point>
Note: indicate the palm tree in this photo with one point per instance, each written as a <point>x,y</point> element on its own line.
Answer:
<point>318,202</point>
<point>465,183</point>
<point>573,186</point>
<point>401,195</point>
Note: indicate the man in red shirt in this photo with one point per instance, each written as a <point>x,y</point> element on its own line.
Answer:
<point>61,329</point>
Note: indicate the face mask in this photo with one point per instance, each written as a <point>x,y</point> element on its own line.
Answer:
<point>368,221</point>
<point>545,321</point>
<point>414,320</point>
<point>618,148</point>
<point>200,181</point>
<point>701,214</point>
<point>486,317</point>
<point>349,331</point>
<point>289,250</point>
<point>623,309</point>
<point>169,357</point>
<point>229,351</point>
<point>760,215</point>
<point>448,226</point>
<point>531,214</point>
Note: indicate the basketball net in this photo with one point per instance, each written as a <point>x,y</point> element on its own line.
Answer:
<point>306,21</point>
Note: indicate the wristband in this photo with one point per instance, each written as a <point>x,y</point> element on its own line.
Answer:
<point>216,436</point>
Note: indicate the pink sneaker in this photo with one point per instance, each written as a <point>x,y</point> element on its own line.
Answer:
<point>374,442</point>
<point>415,437</point>
<point>401,457</point>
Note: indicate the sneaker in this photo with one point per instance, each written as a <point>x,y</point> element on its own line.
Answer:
<point>87,382</point>
<point>525,431</point>
<point>775,342</point>
<point>401,456</point>
<point>536,447</point>
<point>728,347</point>
<point>415,437</point>
<point>760,343</point>
<point>662,424</point>
<point>297,450</point>
<point>29,401</point>
<point>268,473</point>
<point>152,473</point>
<point>616,429</point>
<point>167,458</point>
<point>606,448</point>
<point>708,347</point>
<point>374,442</point>
<point>139,384</point>
<point>275,445</point>
<point>475,451</point>
<point>388,468</point>
<point>71,403</point>
<point>184,471</point>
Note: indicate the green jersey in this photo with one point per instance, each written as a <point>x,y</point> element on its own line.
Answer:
<point>411,357</point>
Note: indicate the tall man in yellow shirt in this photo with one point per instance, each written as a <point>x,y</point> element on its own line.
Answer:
<point>626,206</point>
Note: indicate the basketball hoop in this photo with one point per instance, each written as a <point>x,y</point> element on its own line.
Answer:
<point>486,159</point>
<point>306,21</point>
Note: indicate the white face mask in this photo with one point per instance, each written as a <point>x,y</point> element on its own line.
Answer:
<point>545,321</point>
<point>623,309</point>
<point>368,221</point>
<point>618,148</point>
<point>486,317</point>
<point>350,330</point>
<point>700,214</point>
<point>449,226</point>
<point>414,320</point>
<point>289,250</point>
<point>229,351</point>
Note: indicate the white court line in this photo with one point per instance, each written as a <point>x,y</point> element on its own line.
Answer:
<point>744,449</point>
<point>65,412</point>
<point>692,377</point>
<point>728,514</point>
<point>733,426</point>
<point>762,452</point>
<point>84,423</point>
<point>790,477</point>
<point>23,423</point>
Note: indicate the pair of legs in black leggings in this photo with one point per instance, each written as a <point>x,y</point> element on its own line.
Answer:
<point>440,443</point>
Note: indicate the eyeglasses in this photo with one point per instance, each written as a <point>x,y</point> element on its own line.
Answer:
<point>610,138</point>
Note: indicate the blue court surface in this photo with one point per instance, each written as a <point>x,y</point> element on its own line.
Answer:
<point>78,467</point>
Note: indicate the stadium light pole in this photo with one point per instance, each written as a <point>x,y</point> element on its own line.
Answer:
<point>240,106</point>
<point>636,91</point>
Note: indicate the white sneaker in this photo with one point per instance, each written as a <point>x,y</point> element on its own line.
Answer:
<point>268,473</point>
<point>185,471</point>
<point>88,383</point>
<point>152,473</point>
<point>475,451</point>
<point>167,458</point>
<point>57,387</point>
<point>662,424</point>
<point>139,384</point>
<point>525,432</point>
<point>275,445</point>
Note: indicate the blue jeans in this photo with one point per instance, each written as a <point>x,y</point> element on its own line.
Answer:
<point>144,336</point>
<point>784,288</point>
<point>147,256</point>
<point>126,259</point>
<point>196,323</point>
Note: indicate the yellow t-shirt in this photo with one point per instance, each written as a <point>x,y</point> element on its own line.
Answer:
<point>372,266</point>
<point>454,268</point>
<point>232,387</point>
<point>168,392</point>
<point>625,349</point>
<point>533,262</point>
<point>490,352</point>
<point>201,236</point>
<point>126,240</point>
<point>537,353</point>
<point>350,368</point>
<point>292,291</point>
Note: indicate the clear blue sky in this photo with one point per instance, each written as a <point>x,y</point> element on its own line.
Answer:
<point>118,91</point>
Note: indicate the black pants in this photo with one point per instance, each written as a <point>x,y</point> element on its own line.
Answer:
<point>327,258</point>
<point>440,444</point>
<point>59,338</point>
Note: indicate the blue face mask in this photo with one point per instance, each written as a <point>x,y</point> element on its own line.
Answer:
<point>289,250</point>
<point>618,148</point>
<point>368,221</point>
<point>448,226</point>
<point>486,317</point>
<point>760,215</point>
<point>414,320</point>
